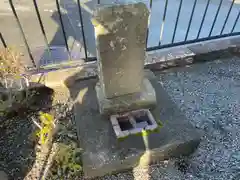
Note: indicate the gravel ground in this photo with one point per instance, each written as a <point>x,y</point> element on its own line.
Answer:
<point>17,150</point>
<point>20,156</point>
<point>209,95</point>
<point>17,136</point>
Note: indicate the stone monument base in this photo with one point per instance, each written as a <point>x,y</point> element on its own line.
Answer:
<point>144,99</point>
<point>103,153</point>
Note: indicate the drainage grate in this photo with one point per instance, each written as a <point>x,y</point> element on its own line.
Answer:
<point>133,122</point>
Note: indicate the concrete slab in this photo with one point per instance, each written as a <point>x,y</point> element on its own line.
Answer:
<point>157,60</point>
<point>104,154</point>
<point>211,50</point>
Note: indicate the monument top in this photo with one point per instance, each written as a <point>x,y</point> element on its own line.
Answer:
<point>120,32</point>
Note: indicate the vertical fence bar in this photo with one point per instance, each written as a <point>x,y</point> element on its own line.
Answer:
<point>176,23</point>
<point>215,18</point>
<point>190,21</point>
<point>42,27</point>
<point>150,4</point>
<point>163,21</point>
<point>83,34</point>
<point>22,32</point>
<point>71,24</point>
<point>148,22</point>
<point>203,19</point>
<point>63,29</point>
<point>235,23</point>
<point>3,41</point>
<point>225,22</point>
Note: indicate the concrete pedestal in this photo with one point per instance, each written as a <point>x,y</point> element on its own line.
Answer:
<point>146,98</point>
<point>103,153</point>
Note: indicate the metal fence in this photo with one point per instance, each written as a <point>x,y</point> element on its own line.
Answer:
<point>227,15</point>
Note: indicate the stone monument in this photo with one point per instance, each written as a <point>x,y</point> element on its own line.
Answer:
<point>120,33</point>
<point>133,133</point>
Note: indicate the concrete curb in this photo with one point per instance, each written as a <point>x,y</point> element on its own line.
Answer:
<point>61,77</point>
<point>155,60</point>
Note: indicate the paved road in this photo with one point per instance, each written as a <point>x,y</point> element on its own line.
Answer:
<point>49,14</point>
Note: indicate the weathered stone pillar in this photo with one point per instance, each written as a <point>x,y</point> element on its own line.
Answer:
<point>120,32</point>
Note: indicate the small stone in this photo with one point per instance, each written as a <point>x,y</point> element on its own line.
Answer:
<point>72,136</point>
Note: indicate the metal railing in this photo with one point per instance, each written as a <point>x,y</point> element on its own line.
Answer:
<point>207,12</point>
<point>210,35</point>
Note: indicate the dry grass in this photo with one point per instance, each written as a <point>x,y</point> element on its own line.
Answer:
<point>10,63</point>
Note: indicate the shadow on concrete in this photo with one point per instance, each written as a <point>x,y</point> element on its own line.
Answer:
<point>72,27</point>
<point>17,135</point>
